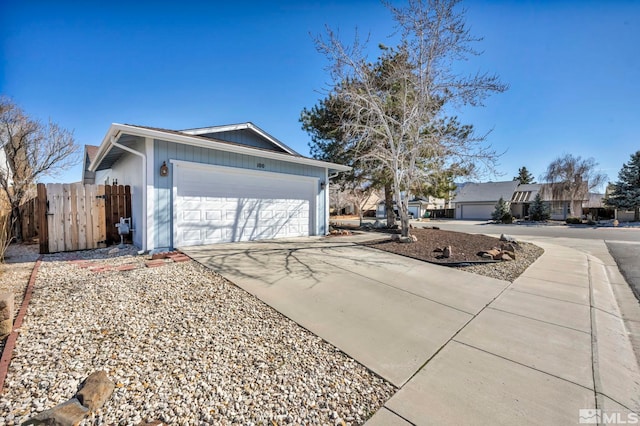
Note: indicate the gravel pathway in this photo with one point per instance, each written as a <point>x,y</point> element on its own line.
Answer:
<point>183,345</point>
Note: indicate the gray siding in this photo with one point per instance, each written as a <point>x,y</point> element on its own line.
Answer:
<point>245,137</point>
<point>163,203</point>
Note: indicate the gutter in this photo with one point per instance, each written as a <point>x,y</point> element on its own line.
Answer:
<point>114,141</point>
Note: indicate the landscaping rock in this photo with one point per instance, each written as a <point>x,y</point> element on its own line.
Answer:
<point>97,389</point>
<point>508,247</point>
<point>447,252</point>
<point>6,314</point>
<point>507,238</point>
<point>505,256</point>
<point>414,238</point>
<point>486,255</point>
<point>378,225</point>
<point>406,240</point>
<point>511,254</point>
<point>395,237</point>
<point>69,413</point>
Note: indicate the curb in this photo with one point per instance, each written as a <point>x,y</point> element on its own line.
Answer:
<point>10,345</point>
<point>613,355</point>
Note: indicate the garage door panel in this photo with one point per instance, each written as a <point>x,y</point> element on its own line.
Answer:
<point>477,211</point>
<point>240,207</point>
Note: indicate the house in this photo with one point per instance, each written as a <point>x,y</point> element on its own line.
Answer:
<point>478,200</point>
<point>89,177</point>
<point>418,206</point>
<point>213,184</point>
<point>522,198</point>
<point>558,198</point>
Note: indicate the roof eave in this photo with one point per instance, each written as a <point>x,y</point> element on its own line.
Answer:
<point>116,129</point>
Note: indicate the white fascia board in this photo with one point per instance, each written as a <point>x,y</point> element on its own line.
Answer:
<point>103,149</point>
<point>116,129</point>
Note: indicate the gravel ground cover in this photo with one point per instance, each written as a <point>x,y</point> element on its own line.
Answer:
<point>182,344</point>
<point>15,273</point>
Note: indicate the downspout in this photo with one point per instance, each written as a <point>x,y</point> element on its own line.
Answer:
<point>114,142</point>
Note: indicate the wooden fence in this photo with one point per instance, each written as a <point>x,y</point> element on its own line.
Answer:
<point>78,217</point>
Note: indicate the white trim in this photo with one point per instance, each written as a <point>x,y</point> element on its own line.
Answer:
<point>116,129</point>
<point>114,141</point>
<point>313,210</point>
<point>240,170</point>
<point>326,201</point>
<point>149,194</point>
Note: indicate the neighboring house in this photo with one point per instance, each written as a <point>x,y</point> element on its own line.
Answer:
<point>522,198</point>
<point>344,203</point>
<point>89,177</point>
<point>478,200</point>
<point>559,201</point>
<point>418,206</point>
<point>214,184</point>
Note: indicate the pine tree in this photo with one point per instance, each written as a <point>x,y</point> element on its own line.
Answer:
<point>538,210</point>
<point>626,191</point>
<point>501,211</point>
<point>524,176</point>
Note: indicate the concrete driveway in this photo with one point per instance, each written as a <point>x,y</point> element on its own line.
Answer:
<point>372,305</point>
<point>461,348</point>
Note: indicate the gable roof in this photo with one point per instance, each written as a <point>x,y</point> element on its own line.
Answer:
<point>472,192</point>
<point>108,153</point>
<point>213,130</point>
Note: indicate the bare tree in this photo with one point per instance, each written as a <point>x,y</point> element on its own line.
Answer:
<point>30,150</point>
<point>396,108</point>
<point>572,178</point>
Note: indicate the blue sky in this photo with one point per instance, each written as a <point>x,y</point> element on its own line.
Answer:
<point>573,68</point>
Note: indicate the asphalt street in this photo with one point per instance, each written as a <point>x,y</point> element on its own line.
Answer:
<point>627,256</point>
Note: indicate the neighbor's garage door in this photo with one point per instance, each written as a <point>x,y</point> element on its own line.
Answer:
<point>224,204</point>
<point>477,211</point>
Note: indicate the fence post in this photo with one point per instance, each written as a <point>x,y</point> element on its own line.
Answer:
<point>43,232</point>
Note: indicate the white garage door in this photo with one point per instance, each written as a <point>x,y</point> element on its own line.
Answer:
<point>477,211</point>
<point>216,204</point>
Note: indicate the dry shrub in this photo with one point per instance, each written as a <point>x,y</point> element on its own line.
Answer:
<point>5,233</point>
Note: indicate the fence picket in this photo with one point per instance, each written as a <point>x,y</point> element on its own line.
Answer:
<point>100,205</point>
<point>76,217</point>
<point>89,205</point>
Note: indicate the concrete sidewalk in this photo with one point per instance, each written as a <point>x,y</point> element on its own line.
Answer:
<point>461,348</point>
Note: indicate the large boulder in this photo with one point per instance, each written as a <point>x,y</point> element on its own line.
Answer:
<point>6,314</point>
<point>66,414</point>
<point>97,389</point>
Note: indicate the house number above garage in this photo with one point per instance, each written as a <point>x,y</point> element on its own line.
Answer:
<point>260,165</point>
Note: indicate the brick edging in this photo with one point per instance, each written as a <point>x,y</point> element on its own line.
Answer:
<point>10,344</point>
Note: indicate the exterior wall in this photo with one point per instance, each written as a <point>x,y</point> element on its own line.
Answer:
<point>127,171</point>
<point>164,151</point>
<point>101,176</point>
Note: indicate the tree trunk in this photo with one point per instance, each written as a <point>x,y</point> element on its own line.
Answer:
<point>404,220</point>
<point>636,217</point>
<point>388,205</point>
<point>16,222</point>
